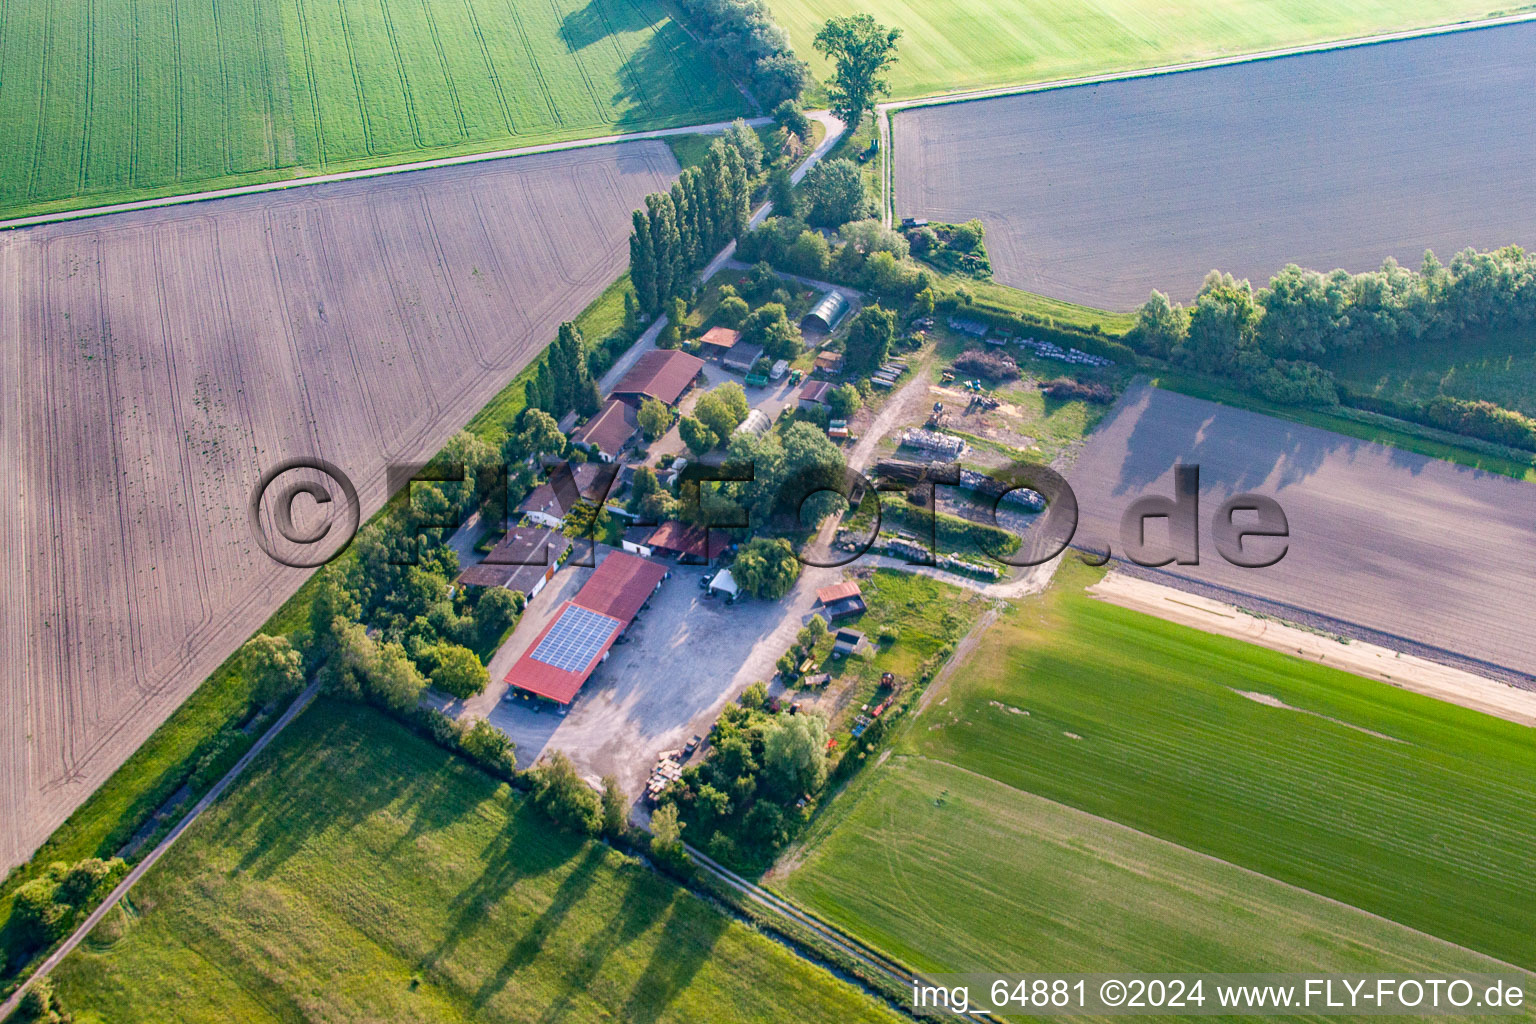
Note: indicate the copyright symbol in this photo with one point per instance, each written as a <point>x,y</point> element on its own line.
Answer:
<point>297,498</point>
<point>1112,992</point>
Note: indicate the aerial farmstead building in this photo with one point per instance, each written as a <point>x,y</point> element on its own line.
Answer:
<point>815,394</point>
<point>552,500</point>
<point>717,341</point>
<point>662,374</point>
<point>742,357</point>
<point>607,434</point>
<point>841,600</point>
<point>523,560</point>
<point>578,638</point>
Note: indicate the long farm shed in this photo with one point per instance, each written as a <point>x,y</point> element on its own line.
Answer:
<point>1099,194</point>
<point>154,365</point>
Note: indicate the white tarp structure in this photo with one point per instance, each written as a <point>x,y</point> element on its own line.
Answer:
<point>724,583</point>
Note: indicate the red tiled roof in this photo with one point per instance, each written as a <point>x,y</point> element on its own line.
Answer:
<point>610,430</point>
<point>721,337</point>
<point>678,538</point>
<point>838,591</point>
<point>617,589</point>
<point>660,374</point>
<point>815,391</point>
<point>620,585</point>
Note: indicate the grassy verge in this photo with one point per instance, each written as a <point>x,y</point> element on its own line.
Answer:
<point>1437,444</point>
<point>1066,314</point>
<point>690,150</point>
<point>1498,367</point>
<point>361,873</point>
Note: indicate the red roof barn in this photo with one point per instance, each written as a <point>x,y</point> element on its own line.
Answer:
<point>577,639</point>
<point>660,374</point>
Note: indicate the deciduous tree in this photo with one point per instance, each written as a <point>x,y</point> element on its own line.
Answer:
<point>273,669</point>
<point>861,50</point>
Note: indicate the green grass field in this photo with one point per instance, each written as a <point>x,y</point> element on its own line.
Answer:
<point>953,871</point>
<point>122,99</point>
<point>1384,800</point>
<point>1500,368</point>
<point>361,873</point>
<point>954,46</point>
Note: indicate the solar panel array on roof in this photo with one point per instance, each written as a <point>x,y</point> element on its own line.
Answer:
<point>576,637</point>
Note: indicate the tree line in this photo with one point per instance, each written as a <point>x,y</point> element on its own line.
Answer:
<point>744,36</point>
<point>1304,314</point>
<point>562,379</point>
<point>1272,339</point>
<point>679,231</point>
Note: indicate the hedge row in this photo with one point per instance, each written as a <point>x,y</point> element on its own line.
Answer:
<point>1483,420</point>
<point>1039,328</point>
<point>951,533</point>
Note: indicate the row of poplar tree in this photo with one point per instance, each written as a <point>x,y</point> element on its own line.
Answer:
<point>562,380</point>
<point>679,231</point>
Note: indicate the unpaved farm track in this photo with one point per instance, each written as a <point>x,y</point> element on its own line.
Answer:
<point>1099,193</point>
<point>157,362</point>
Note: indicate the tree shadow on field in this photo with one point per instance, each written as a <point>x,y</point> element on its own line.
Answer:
<point>640,909</point>
<point>528,847</point>
<point>601,19</point>
<point>571,891</point>
<point>664,81</point>
<point>342,764</point>
<point>675,962</point>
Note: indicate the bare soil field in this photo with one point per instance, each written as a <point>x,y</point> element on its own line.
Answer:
<point>1098,194</point>
<point>1397,549</point>
<point>155,364</point>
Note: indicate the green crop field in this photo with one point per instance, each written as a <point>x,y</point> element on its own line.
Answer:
<point>954,871</point>
<point>1500,368</point>
<point>121,99</point>
<point>954,45</point>
<point>361,873</point>
<point>1393,803</point>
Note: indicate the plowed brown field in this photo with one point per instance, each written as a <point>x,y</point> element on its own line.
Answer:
<point>1419,554</point>
<point>154,364</point>
<point>1099,194</point>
